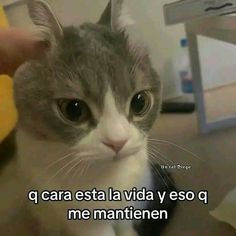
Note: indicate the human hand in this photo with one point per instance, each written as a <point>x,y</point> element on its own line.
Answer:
<point>16,47</point>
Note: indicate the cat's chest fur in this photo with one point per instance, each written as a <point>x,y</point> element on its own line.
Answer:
<point>35,156</point>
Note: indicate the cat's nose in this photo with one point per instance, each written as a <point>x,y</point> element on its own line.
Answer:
<point>116,146</point>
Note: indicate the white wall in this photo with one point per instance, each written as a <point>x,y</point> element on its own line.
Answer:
<point>218,60</point>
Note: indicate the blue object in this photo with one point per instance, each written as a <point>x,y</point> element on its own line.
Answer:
<point>187,86</point>
<point>187,83</point>
<point>184,43</point>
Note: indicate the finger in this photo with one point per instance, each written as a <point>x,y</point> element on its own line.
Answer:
<point>17,46</point>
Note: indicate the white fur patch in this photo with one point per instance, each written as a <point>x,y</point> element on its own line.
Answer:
<point>125,18</point>
<point>112,124</point>
<point>120,16</point>
<point>35,156</point>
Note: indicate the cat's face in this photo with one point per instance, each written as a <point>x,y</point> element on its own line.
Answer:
<point>90,92</point>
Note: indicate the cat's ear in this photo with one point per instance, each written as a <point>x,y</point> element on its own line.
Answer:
<point>43,17</point>
<point>116,16</point>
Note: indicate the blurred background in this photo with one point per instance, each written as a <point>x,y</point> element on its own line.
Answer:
<point>218,58</point>
<point>214,169</point>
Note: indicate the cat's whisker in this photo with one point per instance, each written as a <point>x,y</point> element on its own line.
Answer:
<point>75,172</point>
<point>74,166</point>
<point>60,170</point>
<point>180,204</point>
<point>88,160</point>
<point>80,160</point>
<point>160,141</point>
<point>77,167</point>
<point>162,156</point>
<point>155,157</point>
<point>60,159</point>
<point>153,163</point>
<point>158,154</point>
<point>87,168</point>
<point>156,151</point>
<point>79,172</point>
<point>84,170</point>
<point>158,173</point>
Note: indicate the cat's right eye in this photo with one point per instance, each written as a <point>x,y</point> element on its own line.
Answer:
<point>75,110</point>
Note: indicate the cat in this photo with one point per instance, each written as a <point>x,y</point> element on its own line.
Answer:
<point>85,110</point>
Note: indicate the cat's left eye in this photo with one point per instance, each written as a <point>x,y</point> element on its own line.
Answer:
<point>75,111</point>
<point>140,103</point>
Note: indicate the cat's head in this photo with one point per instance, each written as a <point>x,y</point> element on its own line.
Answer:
<point>94,90</point>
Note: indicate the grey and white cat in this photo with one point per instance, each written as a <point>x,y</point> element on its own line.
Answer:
<point>85,110</point>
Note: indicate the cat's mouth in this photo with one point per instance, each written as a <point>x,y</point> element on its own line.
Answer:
<point>127,154</point>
